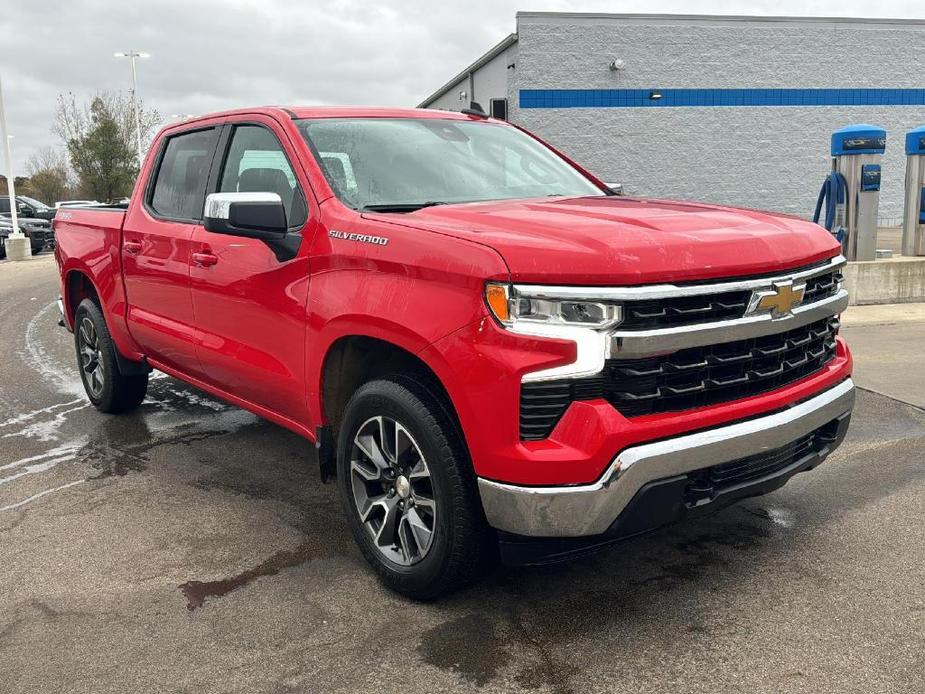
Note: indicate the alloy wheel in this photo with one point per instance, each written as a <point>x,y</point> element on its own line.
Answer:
<point>90,356</point>
<point>392,490</point>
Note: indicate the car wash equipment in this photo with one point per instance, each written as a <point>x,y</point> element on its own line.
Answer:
<point>914,213</point>
<point>851,192</point>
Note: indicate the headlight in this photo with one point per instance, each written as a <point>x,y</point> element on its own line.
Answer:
<point>512,309</point>
<point>539,313</point>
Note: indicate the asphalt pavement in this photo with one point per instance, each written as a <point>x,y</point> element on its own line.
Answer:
<point>190,547</point>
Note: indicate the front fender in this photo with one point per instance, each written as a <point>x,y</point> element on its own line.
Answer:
<point>410,292</point>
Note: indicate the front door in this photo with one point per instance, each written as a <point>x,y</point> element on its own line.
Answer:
<point>249,306</point>
<point>157,249</point>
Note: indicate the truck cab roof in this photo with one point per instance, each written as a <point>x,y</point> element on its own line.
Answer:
<point>297,112</point>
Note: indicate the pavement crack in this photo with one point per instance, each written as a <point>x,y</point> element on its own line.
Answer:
<point>549,671</point>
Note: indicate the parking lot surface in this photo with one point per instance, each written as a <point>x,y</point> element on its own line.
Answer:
<point>190,547</point>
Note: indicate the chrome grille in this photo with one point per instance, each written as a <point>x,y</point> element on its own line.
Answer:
<point>685,379</point>
<point>692,345</point>
<point>652,314</point>
<point>684,310</point>
<point>822,286</point>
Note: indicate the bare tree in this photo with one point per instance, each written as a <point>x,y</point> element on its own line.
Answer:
<point>73,118</point>
<point>50,178</point>
<point>99,135</point>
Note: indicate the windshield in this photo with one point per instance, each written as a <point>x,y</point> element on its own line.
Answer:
<point>408,163</point>
<point>37,204</point>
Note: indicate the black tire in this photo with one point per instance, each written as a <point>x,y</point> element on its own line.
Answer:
<point>458,544</point>
<point>107,388</point>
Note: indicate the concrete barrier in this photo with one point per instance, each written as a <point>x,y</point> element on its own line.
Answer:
<point>890,281</point>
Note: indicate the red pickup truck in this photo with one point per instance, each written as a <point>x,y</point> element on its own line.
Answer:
<point>487,346</point>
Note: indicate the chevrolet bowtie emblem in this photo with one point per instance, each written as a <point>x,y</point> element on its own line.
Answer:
<point>780,300</point>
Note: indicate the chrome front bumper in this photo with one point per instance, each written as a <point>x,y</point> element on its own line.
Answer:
<point>589,510</point>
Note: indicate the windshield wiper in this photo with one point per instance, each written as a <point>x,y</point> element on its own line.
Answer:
<point>401,206</point>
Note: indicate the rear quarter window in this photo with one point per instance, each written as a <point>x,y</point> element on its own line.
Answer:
<point>179,187</point>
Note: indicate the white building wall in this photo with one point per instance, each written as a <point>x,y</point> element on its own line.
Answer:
<point>449,100</point>
<point>772,157</point>
<point>491,80</point>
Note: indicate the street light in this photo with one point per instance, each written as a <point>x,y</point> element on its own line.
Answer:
<point>132,55</point>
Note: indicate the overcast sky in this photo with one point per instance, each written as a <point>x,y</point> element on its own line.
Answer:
<point>208,55</point>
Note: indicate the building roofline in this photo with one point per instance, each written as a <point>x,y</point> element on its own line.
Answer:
<point>492,53</point>
<point>716,17</point>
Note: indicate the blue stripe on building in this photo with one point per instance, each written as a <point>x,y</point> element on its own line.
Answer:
<point>643,98</point>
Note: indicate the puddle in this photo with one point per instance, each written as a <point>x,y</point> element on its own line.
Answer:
<point>469,646</point>
<point>196,592</point>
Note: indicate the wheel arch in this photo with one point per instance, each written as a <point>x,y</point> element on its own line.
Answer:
<point>77,286</point>
<point>354,359</point>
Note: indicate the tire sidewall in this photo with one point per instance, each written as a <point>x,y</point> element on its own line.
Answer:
<point>88,309</point>
<point>393,400</point>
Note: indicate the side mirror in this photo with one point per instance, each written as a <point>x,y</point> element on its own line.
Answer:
<point>615,188</point>
<point>252,215</point>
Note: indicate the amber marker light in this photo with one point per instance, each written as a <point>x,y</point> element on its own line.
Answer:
<point>496,296</point>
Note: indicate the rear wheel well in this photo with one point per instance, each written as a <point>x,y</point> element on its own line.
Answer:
<point>79,287</point>
<point>355,360</point>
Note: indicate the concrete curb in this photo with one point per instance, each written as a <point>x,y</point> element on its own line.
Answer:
<point>888,281</point>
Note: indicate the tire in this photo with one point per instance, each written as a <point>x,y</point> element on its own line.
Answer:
<point>107,388</point>
<point>445,499</point>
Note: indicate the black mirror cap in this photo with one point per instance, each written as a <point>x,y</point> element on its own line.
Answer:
<point>261,219</point>
<point>259,216</point>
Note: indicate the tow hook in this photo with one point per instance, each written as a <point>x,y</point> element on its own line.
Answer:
<point>699,491</point>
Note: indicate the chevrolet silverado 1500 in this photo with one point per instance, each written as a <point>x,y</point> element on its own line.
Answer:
<point>488,348</point>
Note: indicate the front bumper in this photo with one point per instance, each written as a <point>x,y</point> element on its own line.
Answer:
<point>595,509</point>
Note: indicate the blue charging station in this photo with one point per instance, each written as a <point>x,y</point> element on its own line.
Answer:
<point>850,195</point>
<point>914,213</point>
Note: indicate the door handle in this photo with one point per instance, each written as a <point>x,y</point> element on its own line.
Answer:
<point>205,259</point>
<point>132,247</point>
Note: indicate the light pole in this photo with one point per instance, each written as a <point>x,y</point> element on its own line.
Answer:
<point>132,55</point>
<point>17,245</point>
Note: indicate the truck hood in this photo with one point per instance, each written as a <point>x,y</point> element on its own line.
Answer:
<point>619,240</point>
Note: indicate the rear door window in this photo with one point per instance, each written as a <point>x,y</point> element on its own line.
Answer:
<point>179,188</point>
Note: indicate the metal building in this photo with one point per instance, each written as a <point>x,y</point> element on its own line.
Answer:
<point>734,110</point>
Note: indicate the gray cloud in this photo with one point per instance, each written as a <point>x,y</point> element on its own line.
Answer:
<point>210,55</point>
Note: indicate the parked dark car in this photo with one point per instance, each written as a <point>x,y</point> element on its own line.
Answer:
<point>38,230</point>
<point>28,207</point>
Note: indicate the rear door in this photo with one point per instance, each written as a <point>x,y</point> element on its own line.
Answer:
<point>248,303</point>
<point>157,250</point>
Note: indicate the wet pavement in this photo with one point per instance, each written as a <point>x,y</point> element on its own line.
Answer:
<point>190,547</point>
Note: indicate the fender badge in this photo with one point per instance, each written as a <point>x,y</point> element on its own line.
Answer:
<point>363,238</point>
